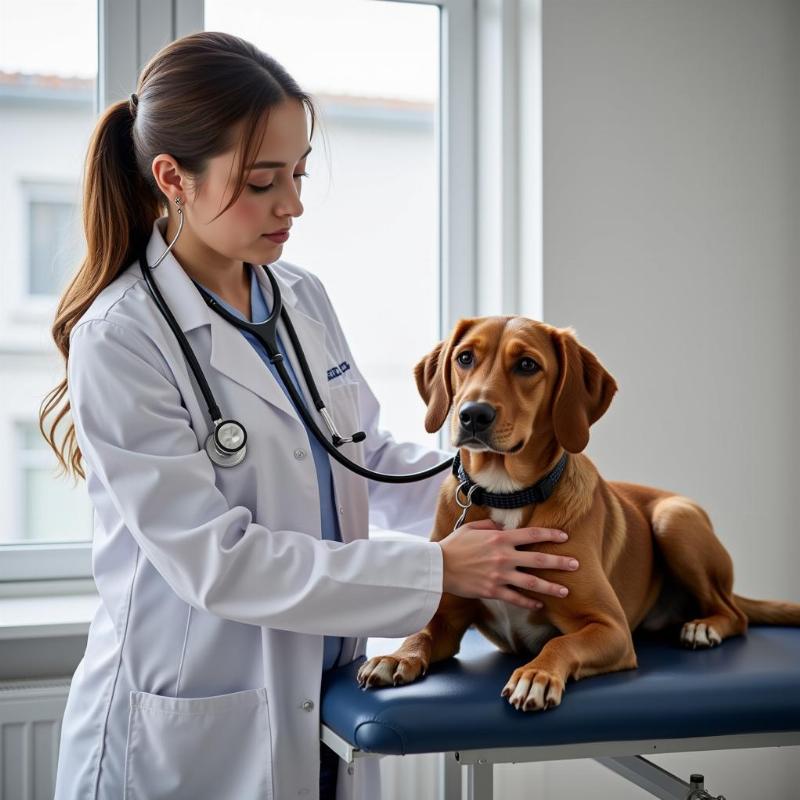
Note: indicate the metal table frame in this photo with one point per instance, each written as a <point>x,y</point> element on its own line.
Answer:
<point>474,768</point>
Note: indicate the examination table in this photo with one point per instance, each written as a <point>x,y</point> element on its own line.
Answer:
<point>744,693</point>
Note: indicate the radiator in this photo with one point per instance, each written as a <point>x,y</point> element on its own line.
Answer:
<point>30,728</point>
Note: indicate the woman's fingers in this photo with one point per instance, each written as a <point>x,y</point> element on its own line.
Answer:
<point>535,560</point>
<point>533,583</point>
<point>481,553</point>
<point>519,536</point>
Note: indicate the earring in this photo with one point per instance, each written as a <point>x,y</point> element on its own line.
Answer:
<point>180,228</point>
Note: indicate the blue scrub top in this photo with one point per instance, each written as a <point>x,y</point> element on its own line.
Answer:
<point>330,522</point>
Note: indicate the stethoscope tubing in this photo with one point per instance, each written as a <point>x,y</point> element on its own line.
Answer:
<point>213,408</point>
<point>277,358</point>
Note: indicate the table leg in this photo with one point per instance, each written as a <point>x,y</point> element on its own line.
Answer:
<point>450,788</point>
<point>479,781</point>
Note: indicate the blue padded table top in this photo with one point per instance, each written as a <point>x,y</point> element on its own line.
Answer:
<point>749,684</point>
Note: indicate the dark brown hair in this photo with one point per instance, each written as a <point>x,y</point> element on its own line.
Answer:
<point>192,95</point>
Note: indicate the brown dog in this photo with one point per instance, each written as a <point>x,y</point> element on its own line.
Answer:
<point>525,393</point>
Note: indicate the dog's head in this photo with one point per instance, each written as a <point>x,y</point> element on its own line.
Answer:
<point>510,379</point>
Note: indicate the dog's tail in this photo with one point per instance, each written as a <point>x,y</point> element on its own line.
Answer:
<point>769,612</point>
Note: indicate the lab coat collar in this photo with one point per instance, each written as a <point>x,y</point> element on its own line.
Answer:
<point>188,307</point>
<point>232,354</point>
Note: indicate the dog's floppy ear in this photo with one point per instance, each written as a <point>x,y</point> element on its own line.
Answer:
<point>584,391</point>
<point>432,374</point>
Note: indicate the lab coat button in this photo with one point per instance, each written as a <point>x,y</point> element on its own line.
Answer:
<point>308,705</point>
<point>299,453</point>
<point>341,509</point>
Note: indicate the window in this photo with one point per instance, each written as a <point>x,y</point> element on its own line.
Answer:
<point>53,237</point>
<point>47,509</point>
<point>48,79</point>
<point>370,227</point>
<point>388,222</point>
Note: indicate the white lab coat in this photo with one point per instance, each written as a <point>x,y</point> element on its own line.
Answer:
<point>201,676</point>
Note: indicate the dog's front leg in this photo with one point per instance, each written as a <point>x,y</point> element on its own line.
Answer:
<point>439,639</point>
<point>598,647</point>
<point>596,639</point>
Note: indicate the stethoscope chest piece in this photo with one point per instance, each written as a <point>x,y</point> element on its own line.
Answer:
<point>227,445</point>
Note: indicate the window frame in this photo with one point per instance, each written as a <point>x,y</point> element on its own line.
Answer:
<point>130,31</point>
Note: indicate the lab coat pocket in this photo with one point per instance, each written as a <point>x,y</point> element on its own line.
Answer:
<point>199,747</point>
<point>344,409</point>
<point>344,402</point>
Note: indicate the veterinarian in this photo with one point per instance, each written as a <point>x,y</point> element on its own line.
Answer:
<point>232,563</point>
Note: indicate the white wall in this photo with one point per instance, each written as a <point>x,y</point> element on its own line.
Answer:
<point>671,243</point>
<point>671,196</point>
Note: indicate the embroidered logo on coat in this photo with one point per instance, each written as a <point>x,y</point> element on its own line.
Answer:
<point>337,371</point>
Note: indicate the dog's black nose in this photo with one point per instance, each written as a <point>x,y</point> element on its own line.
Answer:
<point>476,417</point>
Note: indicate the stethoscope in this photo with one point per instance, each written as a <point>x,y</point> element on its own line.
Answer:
<point>226,445</point>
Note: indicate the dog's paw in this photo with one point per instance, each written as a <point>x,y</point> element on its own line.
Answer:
<point>699,634</point>
<point>389,671</point>
<point>533,689</point>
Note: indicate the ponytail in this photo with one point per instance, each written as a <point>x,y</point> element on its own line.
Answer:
<point>119,209</point>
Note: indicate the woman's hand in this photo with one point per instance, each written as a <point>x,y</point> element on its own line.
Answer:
<point>481,560</point>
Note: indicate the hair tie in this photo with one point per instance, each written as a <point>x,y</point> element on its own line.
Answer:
<point>133,102</point>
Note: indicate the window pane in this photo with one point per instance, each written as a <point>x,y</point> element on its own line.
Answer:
<point>48,75</point>
<point>51,510</point>
<point>370,228</point>
<point>52,227</point>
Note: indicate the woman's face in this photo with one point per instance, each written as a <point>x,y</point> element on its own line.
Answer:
<point>268,203</point>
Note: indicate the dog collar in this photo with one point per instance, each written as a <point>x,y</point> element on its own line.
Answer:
<point>537,493</point>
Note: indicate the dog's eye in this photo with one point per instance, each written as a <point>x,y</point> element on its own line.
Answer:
<point>527,365</point>
<point>465,358</point>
